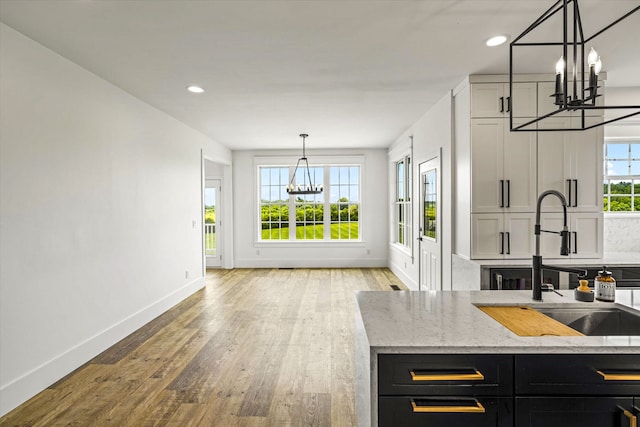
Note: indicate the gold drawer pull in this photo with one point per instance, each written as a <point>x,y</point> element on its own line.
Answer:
<point>478,408</point>
<point>448,376</point>
<point>620,376</point>
<point>633,420</point>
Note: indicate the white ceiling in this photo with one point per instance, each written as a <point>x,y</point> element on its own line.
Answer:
<point>350,73</point>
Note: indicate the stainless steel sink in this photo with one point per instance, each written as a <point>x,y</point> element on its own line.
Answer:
<point>596,321</point>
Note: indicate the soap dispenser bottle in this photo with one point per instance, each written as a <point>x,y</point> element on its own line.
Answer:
<point>605,286</point>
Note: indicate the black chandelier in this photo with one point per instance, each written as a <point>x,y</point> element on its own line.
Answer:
<point>576,89</point>
<point>309,188</point>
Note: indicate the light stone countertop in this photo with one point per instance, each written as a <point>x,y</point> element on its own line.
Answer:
<point>450,322</point>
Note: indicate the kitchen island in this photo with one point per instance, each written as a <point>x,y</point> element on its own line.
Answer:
<point>397,329</point>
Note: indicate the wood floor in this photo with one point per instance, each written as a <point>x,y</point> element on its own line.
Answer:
<point>268,347</point>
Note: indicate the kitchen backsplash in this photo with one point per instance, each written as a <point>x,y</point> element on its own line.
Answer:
<point>622,233</point>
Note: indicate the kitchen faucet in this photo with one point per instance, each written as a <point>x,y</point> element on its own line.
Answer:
<point>536,284</point>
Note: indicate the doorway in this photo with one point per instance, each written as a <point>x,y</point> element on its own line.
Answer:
<point>430,239</point>
<point>212,223</point>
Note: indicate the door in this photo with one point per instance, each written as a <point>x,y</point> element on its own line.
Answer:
<point>430,241</point>
<point>212,234</point>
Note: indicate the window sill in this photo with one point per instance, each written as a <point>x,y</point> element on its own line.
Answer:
<point>635,214</point>
<point>303,243</point>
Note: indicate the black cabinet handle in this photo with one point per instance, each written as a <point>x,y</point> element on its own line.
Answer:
<point>508,243</point>
<point>575,242</point>
<point>508,104</point>
<point>501,243</point>
<point>508,193</point>
<point>502,104</point>
<point>502,193</point>
<point>575,194</point>
<point>569,186</point>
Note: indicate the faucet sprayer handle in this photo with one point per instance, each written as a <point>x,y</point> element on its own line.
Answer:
<point>564,248</point>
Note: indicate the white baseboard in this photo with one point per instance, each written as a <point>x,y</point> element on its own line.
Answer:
<point>401,274</point>
<point>311,263</point>
<point>39,378</point>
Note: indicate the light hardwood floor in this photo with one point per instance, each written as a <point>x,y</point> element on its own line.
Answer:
<point>255,347</point>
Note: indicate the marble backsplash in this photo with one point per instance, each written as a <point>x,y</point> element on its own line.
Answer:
<point>621,233</point>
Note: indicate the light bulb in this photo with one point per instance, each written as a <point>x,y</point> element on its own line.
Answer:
<point>598,66</point>
<point>560,66</point>
<point>593,57</point>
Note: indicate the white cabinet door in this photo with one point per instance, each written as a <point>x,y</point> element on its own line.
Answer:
<point>488,100</point>
<point>571,163</point>
<point>520,154</point>
<point>487,181</point>
<point>586,168</point>
<point>585,240</point>
<point>554,162</point>
<point>523,100</point>
<point>495,100</point>
<point>519,237</point>
<point>487,236</point>
<point>586,235</point>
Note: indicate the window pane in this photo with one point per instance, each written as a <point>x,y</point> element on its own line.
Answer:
<point>345,193</point>
<point>430,203</point>
<point>617,151</point>
<point>635,150</point>
<point>620,187</point>
<point>617,167</point>
<point>620,203</point>
<point>635,167</point>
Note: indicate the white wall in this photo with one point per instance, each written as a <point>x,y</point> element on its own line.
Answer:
<point>100,215</point>
<point>371,252</point>
<point>432,134</point>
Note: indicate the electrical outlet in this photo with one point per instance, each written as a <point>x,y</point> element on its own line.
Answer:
<point>186,274</point>
<point>368,251</point>
<point>257,251</point>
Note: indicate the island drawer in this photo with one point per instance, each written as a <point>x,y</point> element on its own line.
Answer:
<point>438,411</point>
<point>580,411</point>
<point>571,374</point>
<point>445,374</point>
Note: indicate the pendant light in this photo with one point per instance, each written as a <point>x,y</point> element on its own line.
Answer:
<point>309,188</point>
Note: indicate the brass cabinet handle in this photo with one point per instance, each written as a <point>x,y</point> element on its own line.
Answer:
<point>633,420</point>
<point>620,376</point>
<point>448,376</point>
<point>477,408</point>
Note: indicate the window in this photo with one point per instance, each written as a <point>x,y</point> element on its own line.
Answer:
<point>403,202</point>
<point>332,215</point>
<point>621,184</point>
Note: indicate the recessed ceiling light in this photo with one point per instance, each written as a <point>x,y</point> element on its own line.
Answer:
<point>497,40</point>
<point>195,89</point>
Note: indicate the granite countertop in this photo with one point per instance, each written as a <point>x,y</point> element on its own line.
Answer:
<point>448,322</point>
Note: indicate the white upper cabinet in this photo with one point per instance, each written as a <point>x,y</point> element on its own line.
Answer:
<point>503,167</point>
<point>570,162</point>
<point>495,100</point>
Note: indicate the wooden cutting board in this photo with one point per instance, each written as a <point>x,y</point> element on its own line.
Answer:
<point>528,322</point>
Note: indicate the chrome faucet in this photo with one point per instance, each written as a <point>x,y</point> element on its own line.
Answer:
<point>536,282</point>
